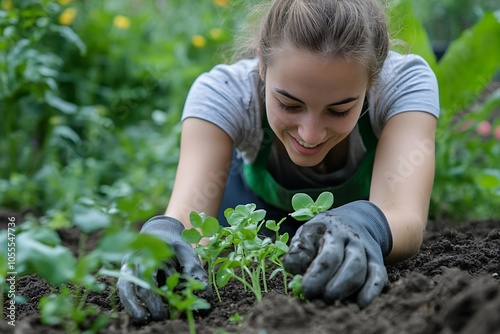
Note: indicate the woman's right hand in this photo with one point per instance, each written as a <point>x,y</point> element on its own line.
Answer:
<point>144,305</point>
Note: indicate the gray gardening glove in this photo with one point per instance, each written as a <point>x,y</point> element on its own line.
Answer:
<point>143,304</point>
<point>341,252</point>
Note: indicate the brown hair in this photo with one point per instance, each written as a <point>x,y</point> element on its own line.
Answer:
<point>351,29</point>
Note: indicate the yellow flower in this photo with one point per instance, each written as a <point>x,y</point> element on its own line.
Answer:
<point>221,3</point>
<point>215,33</point>
<point>121,22</point>
<point>55,120</point>
<point>67,16</point>
<point>198,41</point>
<point>65,2</point>
<point>7,5</point>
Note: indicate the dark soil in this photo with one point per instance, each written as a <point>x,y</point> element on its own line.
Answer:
<point>450,286</point>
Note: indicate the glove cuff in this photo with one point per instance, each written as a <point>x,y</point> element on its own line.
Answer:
<point>163,225</point>
<point>370,216</point>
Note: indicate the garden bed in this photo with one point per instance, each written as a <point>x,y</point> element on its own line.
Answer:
<point>451,286</point>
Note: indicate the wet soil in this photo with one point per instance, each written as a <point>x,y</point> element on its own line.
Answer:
<point>451,286</point>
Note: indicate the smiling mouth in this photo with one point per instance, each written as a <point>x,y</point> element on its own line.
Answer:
<point>304,144</point>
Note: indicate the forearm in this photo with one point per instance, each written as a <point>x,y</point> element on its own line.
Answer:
<point>407,230</point>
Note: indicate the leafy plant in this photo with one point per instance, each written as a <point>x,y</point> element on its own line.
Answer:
<point>306,208</point>
<point>238,251</point>
<point>74,275</point>
<point>295,286</point>
<point>180,294</point>
<point>464,71</point>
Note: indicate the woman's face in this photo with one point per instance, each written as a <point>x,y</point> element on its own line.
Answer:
<point>312,103</point>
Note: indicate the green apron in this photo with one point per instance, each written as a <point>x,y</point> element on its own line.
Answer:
<point>355,188</point>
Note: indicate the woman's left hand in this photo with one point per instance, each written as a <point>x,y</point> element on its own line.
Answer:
<point>341,252</point>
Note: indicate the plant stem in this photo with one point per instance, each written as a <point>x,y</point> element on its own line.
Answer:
<point>190,318</point>
<point>264,280</point>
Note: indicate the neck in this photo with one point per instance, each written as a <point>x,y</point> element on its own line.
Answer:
<point>335,159</point>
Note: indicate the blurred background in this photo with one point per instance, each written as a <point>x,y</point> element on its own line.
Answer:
<point>91,94</point>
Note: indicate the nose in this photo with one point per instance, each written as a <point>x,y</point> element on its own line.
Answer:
<point>311,129</point>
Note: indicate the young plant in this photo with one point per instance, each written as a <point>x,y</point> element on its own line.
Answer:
<point>306,208</point>
<point>216,240</point>
<point>179,291</point>
<point>74,276</point>
<point>296,286</point>
<point>248,254</point>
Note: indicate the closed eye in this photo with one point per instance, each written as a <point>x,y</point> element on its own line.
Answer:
<point>340,113</point>
<point>287,107</point>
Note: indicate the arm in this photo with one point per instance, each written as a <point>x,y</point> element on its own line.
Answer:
<point>341,251</point>
<point>204,163</point>
<point>402,180</point>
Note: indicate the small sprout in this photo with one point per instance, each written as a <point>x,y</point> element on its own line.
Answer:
<point>236,319</point>
<point>295,286</point>
<point>305,208</point>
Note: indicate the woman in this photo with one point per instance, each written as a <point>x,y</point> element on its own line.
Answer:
<point>323,105</point>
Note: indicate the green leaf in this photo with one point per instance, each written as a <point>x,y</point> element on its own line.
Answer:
<point>223,276</point>
<point>55,309</point>
<point>172,281</point>
<point>469,64</point>
<point>275,272</point>
<point>196,219</point>
<point>68,34</point>
<point>151,245</point>
<point>302,214</point>
<point>301,201</point>
<point>284,238</point>
<point>56,264</point>
<point>44,235</point>
<point>271,225</point>
<point>114,245</point>
<point>66,132</point>
<point>489,178</point>
<point>258,215</point>
<point>324,201</point>
<point>282,246</point>
<point>404,26</point>
<point>210,226</point>
<point>59,104</point>
<point>86,265</point>
<point>118,274</point>
<point>89,219</point>
<point>191,236</point>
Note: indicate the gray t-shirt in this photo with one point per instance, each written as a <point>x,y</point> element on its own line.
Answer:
<point>228,96</point>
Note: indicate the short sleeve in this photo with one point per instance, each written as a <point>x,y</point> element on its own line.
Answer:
<point>227,97</point>
<point>405,83</point>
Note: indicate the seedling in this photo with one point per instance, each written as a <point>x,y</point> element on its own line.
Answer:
<point>180,293</point>
<point>306,208</point>
<point>296,286</point>
<point>248,254</point>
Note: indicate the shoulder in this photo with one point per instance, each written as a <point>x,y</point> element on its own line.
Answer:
<point>228,97</point>
<point>405,83</point>
<point>405,62</point>
<point>228,75</point>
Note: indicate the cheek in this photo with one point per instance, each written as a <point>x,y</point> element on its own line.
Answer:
<point>275,116</point>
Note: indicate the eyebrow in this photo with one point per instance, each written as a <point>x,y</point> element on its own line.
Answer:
<point>290,96</point>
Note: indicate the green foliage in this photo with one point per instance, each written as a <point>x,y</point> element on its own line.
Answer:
<point>238,251</point>
<point>466,180</point>
<point>295,286</point>
<point>74,274</point>
<point>180,294</point>
<point>306,208</point>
